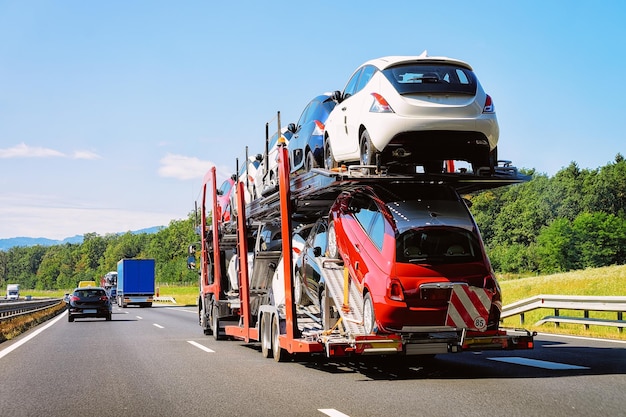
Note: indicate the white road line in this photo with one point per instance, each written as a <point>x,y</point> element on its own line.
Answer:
<point>332,412</point>
<point>199,346</point>
<point>182,309</point>
<point>537,363</point>
<point>139,317</point>
<point>592,339</point>
<point>157,325</point>
<point>14,346</point>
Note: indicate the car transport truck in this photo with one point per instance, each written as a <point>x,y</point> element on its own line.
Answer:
<point>258,304</point>
<point>135,282</point>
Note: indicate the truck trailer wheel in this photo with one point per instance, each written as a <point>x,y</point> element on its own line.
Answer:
<point>215,323</point>
<point>266,336</point>
<point>279,353</point>
<point>203,319</point>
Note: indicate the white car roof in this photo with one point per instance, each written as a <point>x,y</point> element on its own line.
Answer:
<point>388,61</point>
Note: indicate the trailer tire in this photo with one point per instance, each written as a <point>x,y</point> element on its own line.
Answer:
<point>203,319</point>
<point>279,353</point>
<point>215,323</point>
<point>266,336</point>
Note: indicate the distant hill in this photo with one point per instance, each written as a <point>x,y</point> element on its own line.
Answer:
<point>34,241</point>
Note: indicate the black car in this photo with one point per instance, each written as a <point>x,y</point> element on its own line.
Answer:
<point>309,281</point>
<point>89,302</point>
<point>306,146</point>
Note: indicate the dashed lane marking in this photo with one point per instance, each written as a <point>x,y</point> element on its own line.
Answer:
<point>537,363</point>
<point>139,317</point>
<point>157,325</point>
<point>332,412</point>
<point>199,346</point>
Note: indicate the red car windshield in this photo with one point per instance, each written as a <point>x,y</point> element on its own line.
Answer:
<point>437,244</point>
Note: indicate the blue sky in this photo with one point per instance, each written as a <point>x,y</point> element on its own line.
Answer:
<point>112,111</point>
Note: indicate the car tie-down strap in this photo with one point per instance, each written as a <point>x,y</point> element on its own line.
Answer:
<point>469,307</point>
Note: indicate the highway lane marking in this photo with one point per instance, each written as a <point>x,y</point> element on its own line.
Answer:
<point>592,339</point>
<point>14,346</point>
<point>182,309</point>
<point>157,325</point>
<point>537,363</point>
<point>332,412</point>
<point>199,346</point>
<point>139,317</point>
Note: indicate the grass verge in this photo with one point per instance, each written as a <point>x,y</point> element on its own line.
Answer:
<point>13,327</point>
<point>605,281</point>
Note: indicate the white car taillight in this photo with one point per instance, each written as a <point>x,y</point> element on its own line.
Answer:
<point>489,106</point>
<point>380,105</point>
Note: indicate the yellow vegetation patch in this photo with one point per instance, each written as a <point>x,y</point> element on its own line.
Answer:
<point>11,328</point>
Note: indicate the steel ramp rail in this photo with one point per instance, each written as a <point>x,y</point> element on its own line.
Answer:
<point>352,314</point>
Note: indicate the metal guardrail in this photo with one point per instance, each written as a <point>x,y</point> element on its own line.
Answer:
<point>17,308</point>
<point>570,302</point>
<point>164,299</point>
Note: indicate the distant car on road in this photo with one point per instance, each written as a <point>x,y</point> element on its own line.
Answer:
<point>89,302</point>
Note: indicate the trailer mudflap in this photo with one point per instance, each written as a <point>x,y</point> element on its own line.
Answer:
<point>503,339</point>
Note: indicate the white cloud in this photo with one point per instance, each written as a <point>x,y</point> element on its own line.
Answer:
<point>85,155</point>
<point>183,167</point>
<point>24,151</point>
<point>52,221</point>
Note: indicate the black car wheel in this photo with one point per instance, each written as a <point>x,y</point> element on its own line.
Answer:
<point>329,161</point>
<point>70,318</point>
<point>309,162</point>
<point>367,149</point>
<point>333,250</point>
<point>369,318</point>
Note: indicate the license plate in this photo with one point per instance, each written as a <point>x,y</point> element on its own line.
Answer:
<point>90,311</point>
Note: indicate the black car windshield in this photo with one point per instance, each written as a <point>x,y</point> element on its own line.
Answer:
<point>89,293</point>
<point>436,245</point>
<point>431,78</point>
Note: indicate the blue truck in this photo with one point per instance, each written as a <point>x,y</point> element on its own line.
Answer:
<point>135,282</point>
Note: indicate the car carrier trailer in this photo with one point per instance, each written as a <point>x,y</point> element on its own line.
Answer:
<point>253,313</point>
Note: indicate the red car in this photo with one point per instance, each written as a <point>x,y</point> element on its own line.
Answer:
<point>223,199</point>
<point>414,250</point>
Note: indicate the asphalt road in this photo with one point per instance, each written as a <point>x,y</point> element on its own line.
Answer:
<point>156,362</point>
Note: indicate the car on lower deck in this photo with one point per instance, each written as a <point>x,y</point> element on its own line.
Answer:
<point>408,248</point>
<point>89,302</point>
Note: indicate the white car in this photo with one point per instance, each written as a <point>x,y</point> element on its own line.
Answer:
<point>267,174</point>
<point>248,175</point>
<point>406,111</point>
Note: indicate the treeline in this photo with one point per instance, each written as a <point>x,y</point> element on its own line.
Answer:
<point>574,220</point>
<point>62,266</point>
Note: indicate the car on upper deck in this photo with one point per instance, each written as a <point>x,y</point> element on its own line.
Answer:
<point>306,146</point>
<point>409,111</point>
<point>408,247</point>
